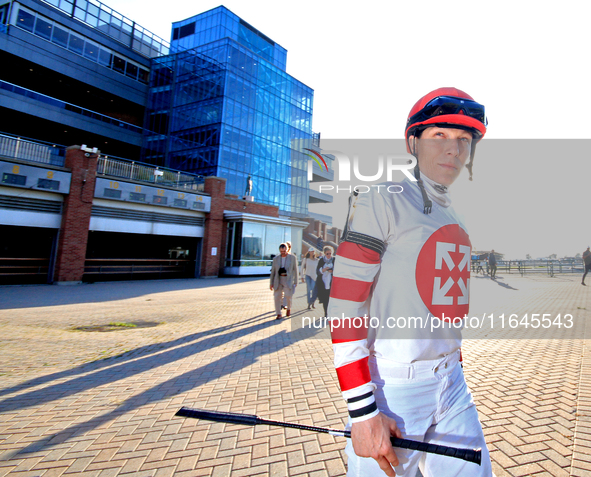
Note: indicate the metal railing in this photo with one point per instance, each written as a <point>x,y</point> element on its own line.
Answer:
<point>17,148</point>
<point>327,219</point>
<point>529,267</point>
<point>5,85</point>
<point>103,18</point>
<point>14,147</point>
<point>155,175</point>
<point>313,239</point>
<point>316,139</point>
<point>15,267</point>
<point>249,263</point>
<point>133,267</point>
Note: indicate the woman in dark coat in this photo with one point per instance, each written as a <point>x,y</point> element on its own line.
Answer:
<point>324,276</point>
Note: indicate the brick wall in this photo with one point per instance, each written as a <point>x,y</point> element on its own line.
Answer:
<point>237,205</point>
<point>215,227</point>
<point>310,228</point>
<point>73,237</point>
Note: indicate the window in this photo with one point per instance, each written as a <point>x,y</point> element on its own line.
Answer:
<point>60,36</point>
<point>51,31</point>
<point>14,179</point>
<point>273,238</point>
<point>105,58</point>
<point>186,30</point>
<point>131,70</point>
<point>43,29</point>
<point>118,64</point>
<point>76,44</point>
<point>112,193</point>
<point>233,247</point>
<point>91,51</point>
<point>48,184</point>
<point>4,14</point>
<point>143,75</point>
<point>25,20</point>
<point>137,197</point>
<point>252,241</point>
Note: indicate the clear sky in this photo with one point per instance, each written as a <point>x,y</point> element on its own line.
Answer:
<point>368,62</point>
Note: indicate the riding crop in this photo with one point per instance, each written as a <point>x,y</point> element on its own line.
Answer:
<point>470,455</point>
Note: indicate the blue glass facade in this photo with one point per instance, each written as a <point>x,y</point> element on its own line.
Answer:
<point>53,31</point>
<point>221,23</point>
<point>184,113</point>
<point>229,109</point>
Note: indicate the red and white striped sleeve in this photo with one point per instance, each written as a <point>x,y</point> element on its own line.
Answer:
<point>356,266</point>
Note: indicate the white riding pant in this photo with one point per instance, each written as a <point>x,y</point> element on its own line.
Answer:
<point>430,402</point>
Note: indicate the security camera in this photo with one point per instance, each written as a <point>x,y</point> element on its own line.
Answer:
<point>86,154</point>
<point>92,150</point>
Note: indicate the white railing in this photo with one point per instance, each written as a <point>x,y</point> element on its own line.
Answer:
<point>527,267</point>
<point>141,172</point>
<point>17,148</point>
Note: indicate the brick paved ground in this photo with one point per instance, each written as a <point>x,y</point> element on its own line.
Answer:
<point>103,403</point>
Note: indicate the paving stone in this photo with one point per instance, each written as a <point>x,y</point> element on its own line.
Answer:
<point>103,404</point>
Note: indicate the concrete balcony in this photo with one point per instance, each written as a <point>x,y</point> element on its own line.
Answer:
<point>321,175</point>
<point>319,197</point>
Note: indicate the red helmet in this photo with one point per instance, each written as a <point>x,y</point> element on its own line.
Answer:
<point>447,106</point>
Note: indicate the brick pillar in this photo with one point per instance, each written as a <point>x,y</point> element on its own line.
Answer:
<point>318,228</point>
<point>338,233</point>
<point>73,236</point>
<point>323,231</point>
<point>214,228</point>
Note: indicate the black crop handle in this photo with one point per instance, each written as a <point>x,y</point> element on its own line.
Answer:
<point>470,455</point>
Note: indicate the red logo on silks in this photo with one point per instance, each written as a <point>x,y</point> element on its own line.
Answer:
<point>443,273</point>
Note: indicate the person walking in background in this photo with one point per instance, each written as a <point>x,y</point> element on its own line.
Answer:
<point>284,276</point>
<point>480,267</point>
<point>586,264</point>
<point>284,304</point>
<point>308,274</point>
<point>492,264</point>
<point>324,271</point>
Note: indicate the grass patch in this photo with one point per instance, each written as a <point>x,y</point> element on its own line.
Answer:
<point>118,326</point>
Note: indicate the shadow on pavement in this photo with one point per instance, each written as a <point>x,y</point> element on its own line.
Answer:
<point>127,356</point>
<point>496,280</point>
<point>33,296</point>
<point>96,376</point>
<point>504,285</point>
<point>180,384</point>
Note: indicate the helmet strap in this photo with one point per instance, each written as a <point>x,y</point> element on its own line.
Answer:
<point>471,163</point>
<point>412,146</point>
<point>427,204</point>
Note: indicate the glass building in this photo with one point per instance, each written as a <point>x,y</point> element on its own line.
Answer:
<point>217,101</point>
<point>253,240</point>
<point>222,104</point>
